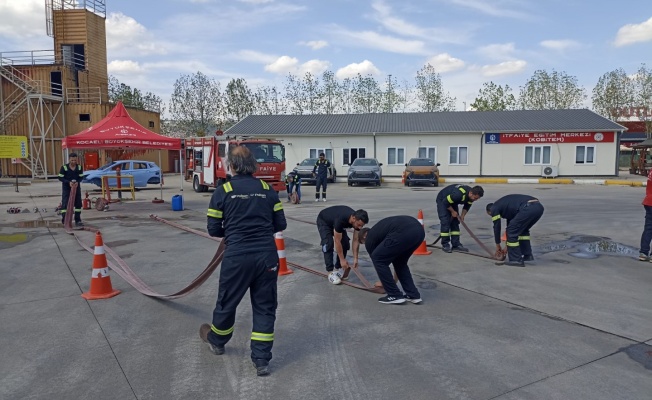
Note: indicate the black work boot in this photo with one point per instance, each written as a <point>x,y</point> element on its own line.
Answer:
<point>262,367</point>
<point>518,263</point>
<point>447,247</point>
<point>528,257</point>
<point>460,247</point>
<point>203,334</point>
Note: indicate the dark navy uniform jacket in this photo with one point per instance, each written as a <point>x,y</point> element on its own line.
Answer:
<point>246,212</point>
<point>454,195</point>
<point>322,166</point>
<point>507,207</point>
<point>397,225</point>
<point>292,177</point>
<point>67,175</point>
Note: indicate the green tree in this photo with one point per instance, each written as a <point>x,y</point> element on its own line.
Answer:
<point>367,95</point>
<point>267,101</point>
<point>330,93</point>
<point>558,90</point>
<point>311,88</point>
<point>132,97</point>
<point>295,96</point>
<point>238,100</point>
<point>643,97</point>
<point>391,100</point>
<point>430,91</point>
<point>613,93</point>
<point>494,97</point>
<point>196,104</point>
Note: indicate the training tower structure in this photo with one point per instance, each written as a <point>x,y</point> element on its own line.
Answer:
<point>49,94</point>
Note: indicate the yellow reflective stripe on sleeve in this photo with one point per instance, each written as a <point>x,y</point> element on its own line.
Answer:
<point>227,187</point>
<point>262,337</point>
<point>444,234</point>
<point>450,199</point>
<point>61,175</point>
<point>455,233</point>
<point>462,190</point>
<point>265,185</point>
<point>65,168</point>
<point>278,206</point>
<point>463,197</point>
<point>214,213</point>
<point>495,217</point>
<point>512,244</point>
<point>523,238</point>
<point>222,332</point>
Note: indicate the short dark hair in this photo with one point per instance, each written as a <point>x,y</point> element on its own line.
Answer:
<point>362,234</point>
<point>242,160</point>
<point>478,191</point>
<point>72,155</point>
<point>361,215</point>
<point>322,155</point>
<point>489,207</point>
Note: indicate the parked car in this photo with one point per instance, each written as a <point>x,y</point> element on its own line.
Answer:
<point>144,173</point>
<point>421,170</point>
<point>304,169</point>
<point>365,170</point>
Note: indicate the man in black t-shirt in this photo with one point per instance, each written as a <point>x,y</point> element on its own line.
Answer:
<point>332,223</point>
<point>392,241</point>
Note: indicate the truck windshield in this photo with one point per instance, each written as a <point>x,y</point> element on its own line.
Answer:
<point>267,152</point>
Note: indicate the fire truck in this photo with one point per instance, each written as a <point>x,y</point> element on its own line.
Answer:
<point>207,161</point>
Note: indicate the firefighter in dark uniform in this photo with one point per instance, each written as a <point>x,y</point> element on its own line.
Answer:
<point>521,212</point>
<point>293,180</point>
<point>320,172</point>
<point>71,175</point>
<point>448,201</point>
<point>332,223</point>
<point>392,240</point>
<point>246,212</point>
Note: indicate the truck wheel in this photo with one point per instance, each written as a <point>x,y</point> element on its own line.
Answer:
<point>196,186</point>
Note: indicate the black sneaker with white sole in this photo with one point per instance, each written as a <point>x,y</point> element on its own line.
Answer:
<point>391,300</point>
<point>413,300</point>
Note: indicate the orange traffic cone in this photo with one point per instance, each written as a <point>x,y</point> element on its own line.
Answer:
<point>422,250</point>
<point>100,280</point>
<point>280,248</point>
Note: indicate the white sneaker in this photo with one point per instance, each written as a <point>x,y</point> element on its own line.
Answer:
<point>334,279</point>
<point>316,199</point>
<point>338,272</point>
<point>324,199</point>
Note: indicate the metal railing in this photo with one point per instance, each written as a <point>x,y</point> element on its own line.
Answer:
<point>95,6</point>
<point>41,57</point>
<point>84,95</point>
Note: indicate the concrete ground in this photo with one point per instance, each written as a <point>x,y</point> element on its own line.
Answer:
<point>576,324</point>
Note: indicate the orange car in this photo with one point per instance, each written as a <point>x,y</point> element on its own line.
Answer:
<point>421,170</point>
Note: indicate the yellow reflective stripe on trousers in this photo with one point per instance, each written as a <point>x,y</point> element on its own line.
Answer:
<point>512,244</point>
<point>78,209</point>
<point>496,217</point>
<point>523,238</point>
<point>444,234</point>
<point>227,187</point>
<point>455,233</point>
<point>262,337</point>
<point>278,206</point>
<point>265,185</point>
<point>214,213</point>
<point>222,332</point>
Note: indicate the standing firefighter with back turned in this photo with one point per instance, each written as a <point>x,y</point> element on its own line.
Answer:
<point>246,212</point>
<point>71,175</point>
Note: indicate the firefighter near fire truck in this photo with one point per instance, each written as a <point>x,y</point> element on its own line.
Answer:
<point>320,171</point>
<point>245,212</point>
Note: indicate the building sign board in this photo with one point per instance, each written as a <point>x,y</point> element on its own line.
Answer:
<point>550,137</point>
<point>13,146</point>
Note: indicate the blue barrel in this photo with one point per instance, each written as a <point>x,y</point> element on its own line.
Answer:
<point>177,202</point>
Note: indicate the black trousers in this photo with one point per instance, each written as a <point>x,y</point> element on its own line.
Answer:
<point>646,237</point>
<point>65,197</point>
<point>328,245</point>
<point>397,249</point>
<point>321,182</point>
<point>258,273</point>
<point>449,227</point>
<point>518,230</point>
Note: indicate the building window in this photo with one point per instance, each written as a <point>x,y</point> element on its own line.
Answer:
<point>537,155</point>
<point>396,155</point>
<point>84,118</point>
<point>151,124</point>
<point>458,155</point>
<point>428,152</point>
<point>314,153</point>
<point>349,155</point>
<point>585,155</point>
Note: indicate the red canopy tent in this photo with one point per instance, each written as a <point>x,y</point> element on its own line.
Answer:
<point>119,130</point>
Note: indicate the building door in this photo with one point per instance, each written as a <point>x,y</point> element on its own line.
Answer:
<point>56,86</point>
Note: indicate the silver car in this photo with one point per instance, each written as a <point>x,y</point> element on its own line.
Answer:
<point>365,170</point>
